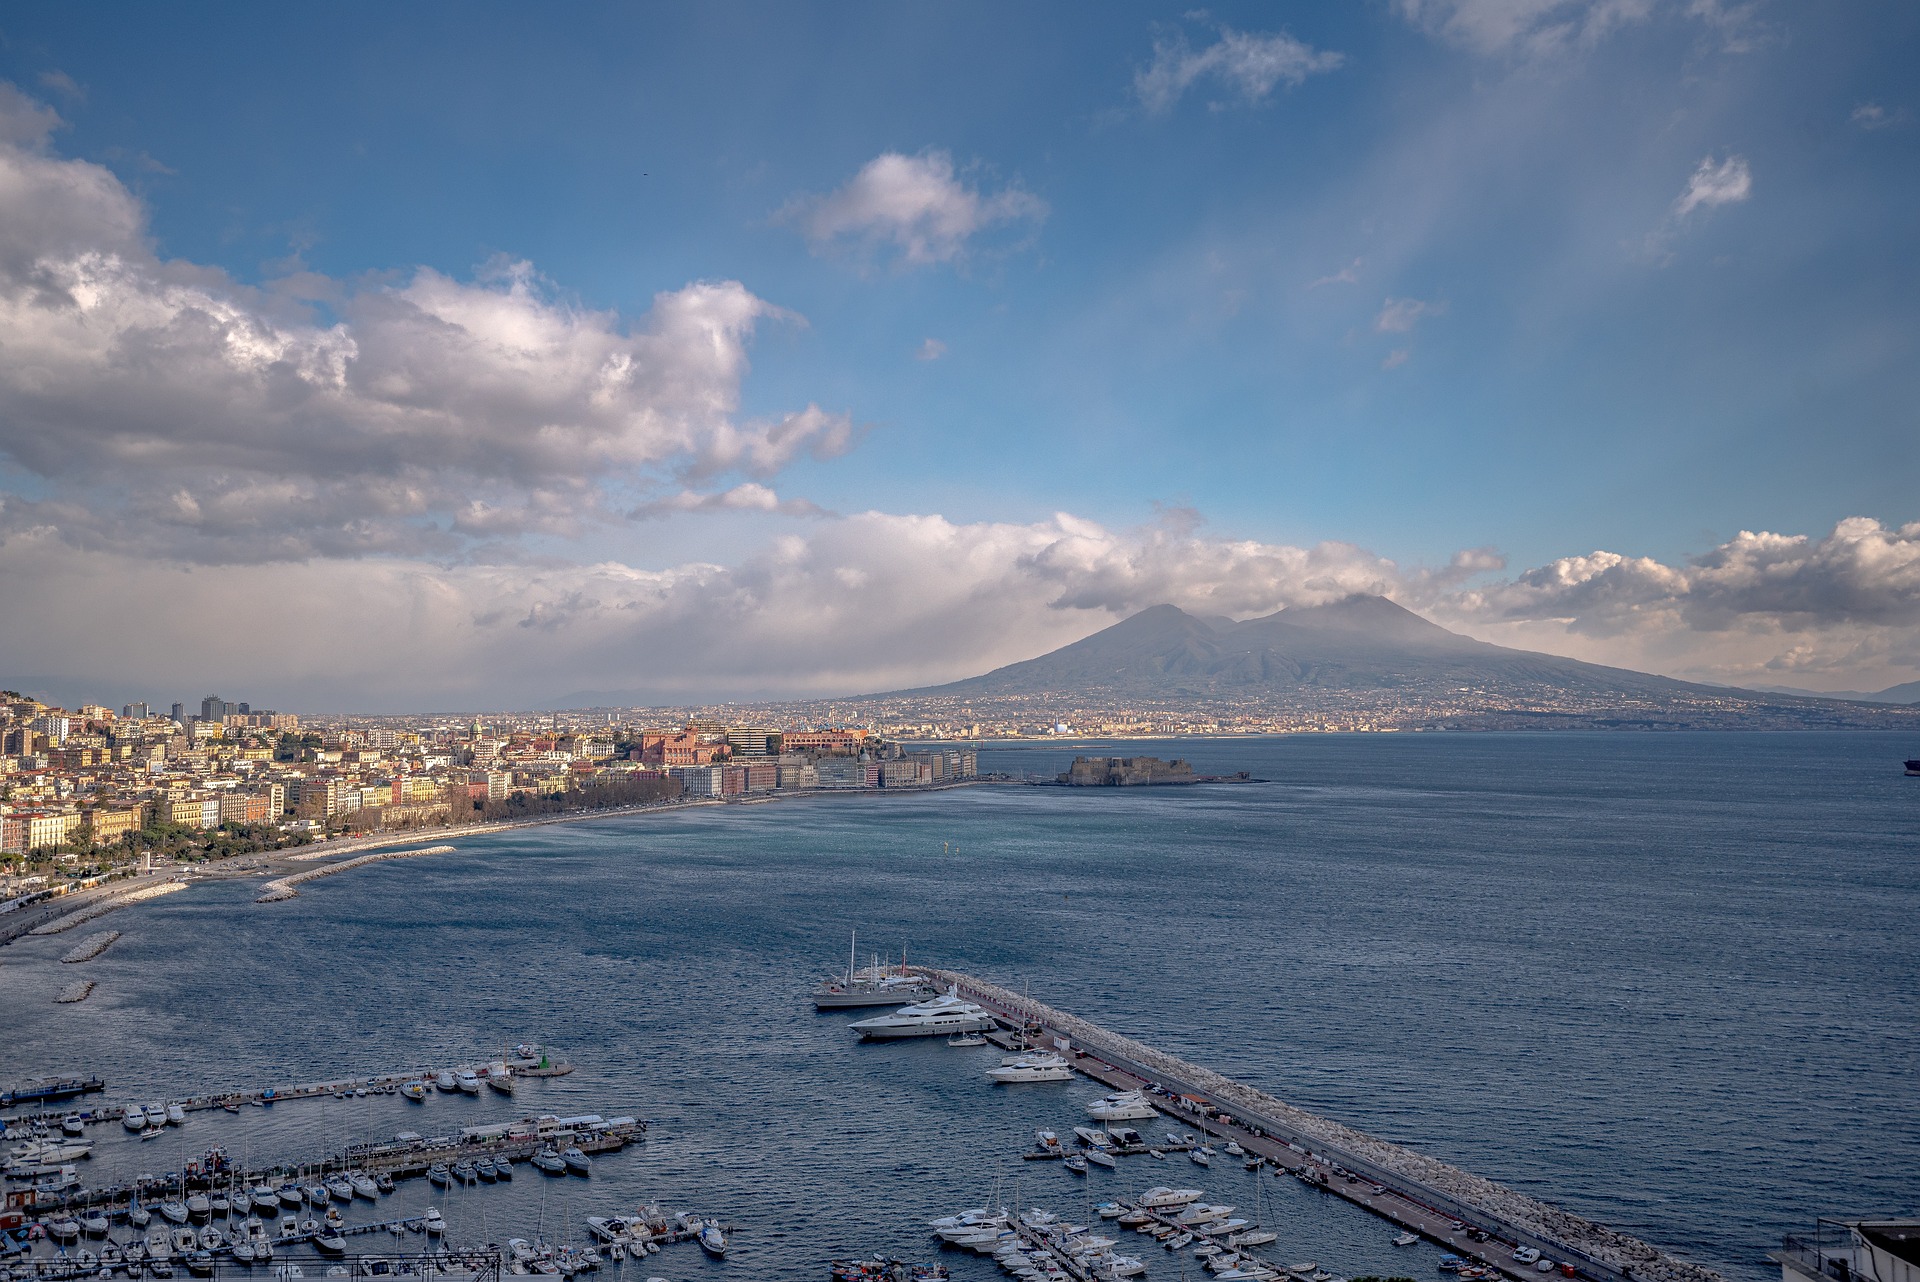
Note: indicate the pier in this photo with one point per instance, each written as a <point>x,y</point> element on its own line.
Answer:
<point>1468,1214</point>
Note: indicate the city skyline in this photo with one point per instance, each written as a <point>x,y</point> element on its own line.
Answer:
<point>468,358</point>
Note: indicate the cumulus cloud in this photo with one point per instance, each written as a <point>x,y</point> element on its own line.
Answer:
<point>931,350</point>
<point>1715,182</point>
<point>1247,64</point>
<point>749,496</point>
<point>166,394</point>
<point>880,600</point>
<point>916,205</point>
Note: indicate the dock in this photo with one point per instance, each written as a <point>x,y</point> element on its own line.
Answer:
<point>400,1158</point>
<point>1469,1215</point>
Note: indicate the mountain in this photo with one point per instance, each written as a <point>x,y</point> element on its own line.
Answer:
<point>1908,692</point>
<point>1359,643</point>
<point>1365,659</point>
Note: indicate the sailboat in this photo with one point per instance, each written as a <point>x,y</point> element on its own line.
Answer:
<point>878,985</point>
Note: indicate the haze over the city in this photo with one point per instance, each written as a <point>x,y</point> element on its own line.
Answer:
<point>459,356</point>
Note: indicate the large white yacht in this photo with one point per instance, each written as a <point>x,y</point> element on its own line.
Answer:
<point>937,1017</point>
<point>1034,1066</point>
<point>1162,1198</point>
<point>1121,1106</point>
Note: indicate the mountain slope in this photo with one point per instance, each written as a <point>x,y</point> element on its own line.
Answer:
<point>1359,643</point>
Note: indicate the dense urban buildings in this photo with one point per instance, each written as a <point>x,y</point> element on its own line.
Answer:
<point>95,787</point>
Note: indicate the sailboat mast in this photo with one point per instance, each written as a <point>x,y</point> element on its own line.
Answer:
<point>852,943</point>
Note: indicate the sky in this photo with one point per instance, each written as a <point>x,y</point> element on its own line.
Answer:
<point>366,358</point>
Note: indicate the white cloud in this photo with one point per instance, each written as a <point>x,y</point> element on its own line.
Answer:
<point>1400,315</point>
<point>915,204</point>
<point>931,350</point>
<point>1395,358</point>
<point>1246,63</point>
<point>749,496</point>
<point>1348,275</point>
<point>272,432</point>
<point>1534,28</point>
<point>1713,183</point>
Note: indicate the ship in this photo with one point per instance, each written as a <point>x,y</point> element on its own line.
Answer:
<point>877,985</point>
<point>1913,767</point>
<point>50,1090</point>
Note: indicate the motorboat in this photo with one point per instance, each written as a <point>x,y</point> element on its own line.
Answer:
<point>199,1206</point>
<point>463,1173</point>
<point>328,1242</point>
<point>1100,1157</point>
<point>440,1175</point>
<point>156,1114</point>
<point>578,1163</point>
<point>467,1081</point>
<point>485,1169</point>
<point>1162,1198</point>
<point>1093,1137</point>
<point>1046,1142</point>
<point>713,1240</point>
<point>134,1118</point>
<point>383,1182</point>
<point>363,1186</point>
<point>72,1124</point>
<point>264,1198</point>
<point>546,1161</point>
<point>1110,1210</point>
<point>1406,1239</point>
<point>939,1016</point>
<point>184,1241</point>
<point>333,1219</point>
<point>1233,1149</point>
<point>138,1215</point>
<point>176,1116</point>
<point>221,1204</point>
<point>341,1188</point>
<point>290,1194</point>
<point>966,1039</point>
<point>1200,1158</point>
<point>415,1091</point>
<point>1256,1237</point>
<point>1121,1106</point>
<point>319,1194</point>
<point>242,1251</point>
<point>289,1228</point>
<point>435,1225</point>
<point>503,1169</point>
<point>1034,1066</point>
<point>445,1081</point>
<point>200,1264</point>
<point>1201,1213</point>
<point>1076,1163</point>
<point>500,1077</point>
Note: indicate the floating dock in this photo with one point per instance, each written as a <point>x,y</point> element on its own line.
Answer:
<point>1441,1202</point>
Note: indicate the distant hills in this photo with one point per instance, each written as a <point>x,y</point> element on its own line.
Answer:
<point>1365,652</point>
<point>1908,692</point>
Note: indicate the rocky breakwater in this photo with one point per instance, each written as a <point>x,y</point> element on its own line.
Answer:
<point>285,887</point>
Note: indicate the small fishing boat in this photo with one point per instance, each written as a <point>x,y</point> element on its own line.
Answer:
<point>713,1240</point>
<point>415,1091</point>
<point>333,1219</point>
<point>383,1182</point>
<point>1234,1149</point>
<point>328,1242</point>
<point>1076,1163</point>
<point>1406,1239</point>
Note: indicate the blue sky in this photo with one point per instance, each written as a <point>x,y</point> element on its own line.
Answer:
<point>1269,300</point>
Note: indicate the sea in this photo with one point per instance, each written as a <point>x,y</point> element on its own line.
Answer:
<point>1668,981</point>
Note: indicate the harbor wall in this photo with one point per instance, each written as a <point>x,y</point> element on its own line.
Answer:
<point>1471,1195</point>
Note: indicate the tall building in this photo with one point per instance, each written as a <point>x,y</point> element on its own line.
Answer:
<point>136,711</point>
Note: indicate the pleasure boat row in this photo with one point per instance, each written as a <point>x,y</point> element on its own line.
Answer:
<point>1121,1106</point>
<point>1032,1066</point>
<point>1037,1246</point>
<point>142,1117</point>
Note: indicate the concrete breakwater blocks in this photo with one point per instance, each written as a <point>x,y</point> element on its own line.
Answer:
<point>286,887</point>
<point>101,907</point>
<point>1597,1242</point>
<point>92,946</point>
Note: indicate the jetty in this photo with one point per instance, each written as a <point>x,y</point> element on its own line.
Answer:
<point>100,907</point>
<point>91,947</point>
<point>284,887</point>
<point>78,992</point>
<point>1468,1214</point>
<point>406,1156</point>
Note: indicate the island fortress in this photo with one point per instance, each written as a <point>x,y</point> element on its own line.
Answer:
<point>1125,772</point>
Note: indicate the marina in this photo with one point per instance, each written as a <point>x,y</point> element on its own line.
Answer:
<point>1468,1214</point>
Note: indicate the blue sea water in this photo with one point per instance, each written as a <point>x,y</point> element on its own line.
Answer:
<point>1667,981</point>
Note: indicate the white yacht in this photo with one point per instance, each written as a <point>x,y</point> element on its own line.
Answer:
<point>134,1118</point>
<point>1162,1198</point>
<point>176,1116</point>
<point>937,1017</point>
<point>1121,1106</point>
<point>467,1081</point>
<point>1034,1066</point>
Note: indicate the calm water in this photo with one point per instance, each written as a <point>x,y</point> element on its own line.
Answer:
<point>1667,981</point>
